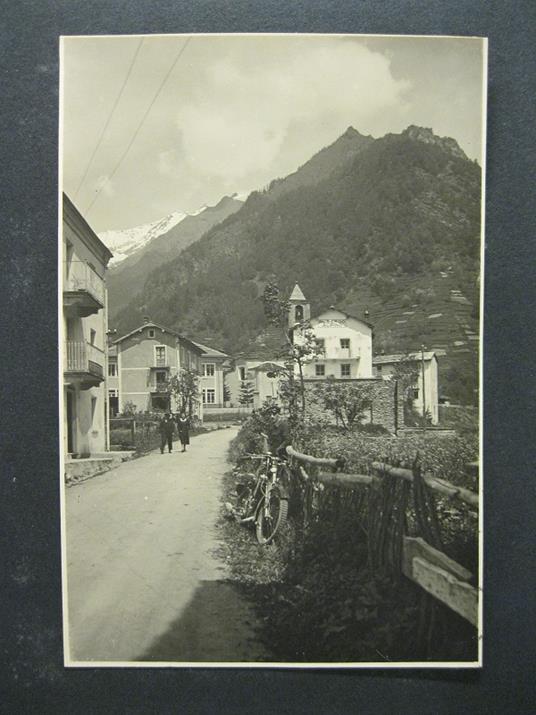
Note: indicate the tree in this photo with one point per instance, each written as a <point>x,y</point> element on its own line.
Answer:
<point>346,401</point>
<point>226,393</point>
<point>406,372</point>
<point>247,393</point>
<point>129,409</point>
<point>294,353</point>
<point>184,388</point>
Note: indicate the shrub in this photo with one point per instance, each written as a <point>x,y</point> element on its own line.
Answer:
<point>373,429</point>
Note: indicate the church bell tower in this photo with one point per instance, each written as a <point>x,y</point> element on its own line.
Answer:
<point>299,307</point>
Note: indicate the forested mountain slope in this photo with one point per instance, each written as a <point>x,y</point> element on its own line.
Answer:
<point>386,226</point>
<point>126,280</point>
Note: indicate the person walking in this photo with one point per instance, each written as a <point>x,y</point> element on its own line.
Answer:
<point>167,427</point>
<point>183,424</point>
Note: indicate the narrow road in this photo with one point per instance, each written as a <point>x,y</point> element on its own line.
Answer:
<point>143,581</point>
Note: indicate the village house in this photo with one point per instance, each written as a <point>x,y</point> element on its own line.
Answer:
<point>424,391</point>
<point>144,361</point>
<point>84,259</point>
<point>345,340</point>
<point>257,367</point>
<point>260,373</point>
<point>113,380</point>
<point>214,363</point>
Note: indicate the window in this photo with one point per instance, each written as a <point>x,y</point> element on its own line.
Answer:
<point>159,403</point>
<point>415,393</point>
<point>113,402</point>
<point>160,355</point>
<point>321,344</point>
<point>208,369</point>
<point>161,377</point>
<point>93,408</point>
<point>92,336</point>
<point>242,373</point>
<point>298,312</point>
<point>378,369</point>
<point>345,370</point>
<point>345,343</point>
<point>151,332</point>
<point>209,397</point>
<point>112,369</point>
<point>320,370</point>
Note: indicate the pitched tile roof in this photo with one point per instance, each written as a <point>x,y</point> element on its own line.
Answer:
<point>150,324</point>
<point>210,352</point>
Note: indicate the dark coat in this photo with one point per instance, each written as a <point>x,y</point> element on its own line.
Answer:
<point>167,426</point>
<point>184,430</point>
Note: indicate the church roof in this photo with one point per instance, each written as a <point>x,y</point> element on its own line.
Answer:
<point>297,293</point>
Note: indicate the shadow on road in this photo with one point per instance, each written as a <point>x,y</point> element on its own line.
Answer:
<point>217,625</point>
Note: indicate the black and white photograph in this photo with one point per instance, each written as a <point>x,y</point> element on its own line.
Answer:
<point>270,295</point>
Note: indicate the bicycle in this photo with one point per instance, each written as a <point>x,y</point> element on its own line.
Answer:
<point>263,498</point>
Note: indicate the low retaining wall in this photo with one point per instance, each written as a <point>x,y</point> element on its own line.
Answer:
<point>78,470</point>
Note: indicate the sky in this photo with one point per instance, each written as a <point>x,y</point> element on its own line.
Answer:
<point>151,125</point>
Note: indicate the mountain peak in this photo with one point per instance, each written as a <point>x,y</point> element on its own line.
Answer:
<point>427,136</point>
<point>351,132</point>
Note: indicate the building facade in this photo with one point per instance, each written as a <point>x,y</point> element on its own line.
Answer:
<point>260,373</point>
<point>146,358</point>
<point>84,262</point>
<point>345,341</point>
<point>214,364</point>
<point>423,369</point>
<point>113,380</point>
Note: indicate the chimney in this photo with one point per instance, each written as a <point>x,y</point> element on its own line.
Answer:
<point>366,314</point>
<point>146,319</point>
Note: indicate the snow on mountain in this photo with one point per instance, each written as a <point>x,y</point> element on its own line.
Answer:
<point>124,242</point>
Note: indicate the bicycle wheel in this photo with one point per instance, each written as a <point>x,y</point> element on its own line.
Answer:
<point>270,517</point>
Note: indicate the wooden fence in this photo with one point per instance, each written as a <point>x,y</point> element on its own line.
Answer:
<point>387,494</point>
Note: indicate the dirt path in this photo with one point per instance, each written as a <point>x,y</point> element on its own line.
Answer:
<point>143,580</point>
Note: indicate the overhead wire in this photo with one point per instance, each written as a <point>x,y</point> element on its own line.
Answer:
<point>110,117</point>
<point>138,128</point>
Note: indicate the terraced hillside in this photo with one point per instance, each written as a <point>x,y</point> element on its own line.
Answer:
<point>429,310</point>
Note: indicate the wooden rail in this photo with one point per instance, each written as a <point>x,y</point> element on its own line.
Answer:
<point>441,577</point>
<point>438,485</point>
<point>345,480</point>
<point>431,569</point>
<point>308,459</point>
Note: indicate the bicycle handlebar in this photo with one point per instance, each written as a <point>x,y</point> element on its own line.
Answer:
<point>266,455</point>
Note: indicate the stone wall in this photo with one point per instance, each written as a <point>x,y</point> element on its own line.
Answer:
<point>387,404</point>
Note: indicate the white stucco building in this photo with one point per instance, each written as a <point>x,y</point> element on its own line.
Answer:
<point>214,363</point>
<point>345,340</point>
<point>84,261</point>
<point>424,364</point>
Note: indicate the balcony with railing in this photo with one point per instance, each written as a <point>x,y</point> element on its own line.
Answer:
<point>338,353</point>
<point>84,364</point>
<point>161,361</point>
<point>83,289</point>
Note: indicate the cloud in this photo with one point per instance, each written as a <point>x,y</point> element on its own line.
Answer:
<point>241,115</point>
<point>105,185</point>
